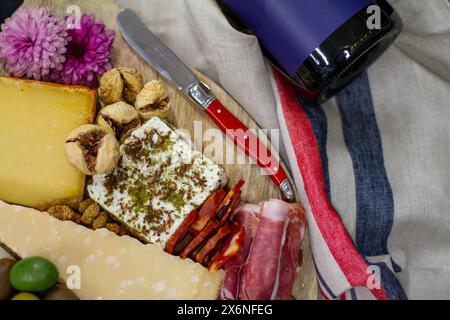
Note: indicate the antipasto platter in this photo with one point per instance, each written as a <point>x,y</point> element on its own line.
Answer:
<point>115,184</point>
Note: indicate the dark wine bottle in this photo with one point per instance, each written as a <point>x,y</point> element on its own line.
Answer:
<point>321,45</point>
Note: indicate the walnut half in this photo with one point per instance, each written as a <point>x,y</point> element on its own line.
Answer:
<point>92,150</point>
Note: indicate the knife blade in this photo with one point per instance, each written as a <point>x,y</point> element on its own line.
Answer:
<point>156,53</point>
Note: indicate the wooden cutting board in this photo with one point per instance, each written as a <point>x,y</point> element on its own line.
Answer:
<point>185,116</point>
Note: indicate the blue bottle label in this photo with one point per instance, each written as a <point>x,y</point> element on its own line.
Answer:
<point>292,29</point>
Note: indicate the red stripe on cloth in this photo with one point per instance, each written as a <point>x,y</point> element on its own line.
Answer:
<point>341,246</point>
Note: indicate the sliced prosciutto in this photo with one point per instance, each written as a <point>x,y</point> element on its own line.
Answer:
<point>290,258</point>
<point>248,217</point>
<point>260,275</point>
<point>268,261</point>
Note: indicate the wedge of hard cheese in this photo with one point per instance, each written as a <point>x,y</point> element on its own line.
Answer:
<point>35,119</point>
<point>111,267</point>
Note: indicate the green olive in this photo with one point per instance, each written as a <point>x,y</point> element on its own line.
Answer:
<point>60,292</point>
<point>33,275</point>
<point>25,296</point>
<point>6,289</point>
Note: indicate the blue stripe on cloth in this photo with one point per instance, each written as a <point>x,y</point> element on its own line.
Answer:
<point>390,283</point>
<point>318,120</point>
<point>353,294</point>
<point>324,284</point>
<point>374,198</point>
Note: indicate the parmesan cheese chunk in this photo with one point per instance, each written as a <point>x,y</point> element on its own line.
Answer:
<point>112,267</point>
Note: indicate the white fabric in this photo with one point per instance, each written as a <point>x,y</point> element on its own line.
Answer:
<point>413,118</point>
<point>411,92</point>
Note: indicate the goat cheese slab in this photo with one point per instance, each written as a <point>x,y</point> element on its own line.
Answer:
<point>158,182</point>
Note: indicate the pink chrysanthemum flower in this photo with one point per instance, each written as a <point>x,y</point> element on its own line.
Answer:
<point>33,43</point>
<point>88,52</point>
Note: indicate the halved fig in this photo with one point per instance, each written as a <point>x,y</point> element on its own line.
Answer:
<point>209,210</point>
<point>211,244</point>
<point>229,249</point>
<point>181,231</point>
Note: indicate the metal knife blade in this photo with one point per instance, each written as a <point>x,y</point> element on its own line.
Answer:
<point>156,53</point>
<point>143,41</point>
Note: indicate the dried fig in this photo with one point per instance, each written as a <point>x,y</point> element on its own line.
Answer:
<point>153,101</point>
<point>119,119</point>
<point>120,84</point>
<point>92,150</point>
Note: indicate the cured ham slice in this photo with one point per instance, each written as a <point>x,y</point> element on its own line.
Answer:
<point>290,259</point>
<point>260,275</point>
<point>267,263</point>
<point>248,217</point>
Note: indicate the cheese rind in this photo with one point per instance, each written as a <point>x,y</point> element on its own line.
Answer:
<point>35,119</point>
<point>112,267</point>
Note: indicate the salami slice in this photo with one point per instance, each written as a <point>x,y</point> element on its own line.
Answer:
<point>213,242</point>
<point>209,209</point>
<point>181,232</point>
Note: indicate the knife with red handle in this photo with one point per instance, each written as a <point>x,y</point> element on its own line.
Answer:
<point>152,50</point>
<point>225,120</point>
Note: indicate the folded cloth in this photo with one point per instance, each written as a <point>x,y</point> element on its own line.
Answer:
<point>371,165</point>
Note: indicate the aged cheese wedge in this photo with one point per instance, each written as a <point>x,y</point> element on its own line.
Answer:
<point>112,267</point>
<point>35,119</point>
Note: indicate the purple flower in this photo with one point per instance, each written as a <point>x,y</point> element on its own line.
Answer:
<point>33,43</point>
<point>88,53</point>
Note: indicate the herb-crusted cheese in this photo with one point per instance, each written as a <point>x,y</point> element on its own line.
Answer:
<point>159,181</point>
